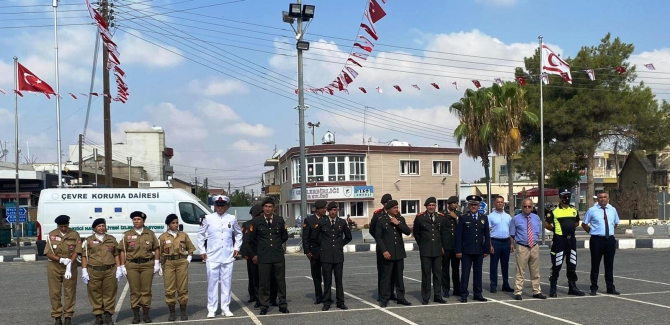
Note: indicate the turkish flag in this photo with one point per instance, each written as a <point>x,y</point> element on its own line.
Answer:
<point>435,85</point>
<point>477,84</point>
<point>397,88</point>
<point>621,70</point>
<point>376,11</point>
<point>521,80</point>
<point>363,90</point>
<point>29,82</point>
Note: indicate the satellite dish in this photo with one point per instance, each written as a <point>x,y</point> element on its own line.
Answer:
<point>277,154</point>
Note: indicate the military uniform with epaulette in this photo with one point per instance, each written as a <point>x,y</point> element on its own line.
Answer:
<point>449,259</point>
<point>563,220</point>
<point>380,258</point>
<point>389,240</point>
<point>62,250</point>
<point>429,235</point>
<point>473,241</point>
<point>310,246</point>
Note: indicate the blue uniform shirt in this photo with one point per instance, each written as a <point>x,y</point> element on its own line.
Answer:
<point>499,223</point>
<point>596,219</point>
<point>519,228</point>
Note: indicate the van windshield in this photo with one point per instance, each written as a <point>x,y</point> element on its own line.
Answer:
<point>204,206</point>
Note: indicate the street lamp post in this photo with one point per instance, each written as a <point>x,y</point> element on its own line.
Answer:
<point>301,13</point>
<point>312,126</point>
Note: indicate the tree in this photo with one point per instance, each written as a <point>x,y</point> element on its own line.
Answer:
<point>239,199</point>
<point>583,117</point>
<point>203,194</point>
<point>568,178</point>
<point>510,110</point>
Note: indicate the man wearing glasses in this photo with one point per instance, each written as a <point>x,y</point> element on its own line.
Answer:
<point>472,244</point>
<point>600,221</point>
<point>525,230</point>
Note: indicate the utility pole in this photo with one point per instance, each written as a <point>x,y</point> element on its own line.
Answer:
<point>95,156</point>
<point>196,182</point>
<point>228,193</point>
<point>301,121</point>
<point>130,162</point>
<point>107,101</point>
<point>616,162</point>
<point>81,160</point>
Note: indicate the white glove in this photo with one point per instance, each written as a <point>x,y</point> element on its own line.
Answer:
<point>157,266</point>
<point>68,272</point>
<point>65,261</point>
<point>160,271</point>
<point>189,258</point>
<point>84,275</point>
<point>119,273</point>
<point>123,270</point>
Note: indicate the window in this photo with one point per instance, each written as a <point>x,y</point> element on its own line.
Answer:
<point>409,206</point>
<point>190,213</point>
<point>284,175</point>
<point>336,171</point>
<point>441,205</point>
<point>357,209</point>
<point>357,168</point>
<point>340,212</point>
<point>503,170</point>
<point>409,167</point>
<point>315,169</point>
<point>296,170</point>
<point>442,167</point>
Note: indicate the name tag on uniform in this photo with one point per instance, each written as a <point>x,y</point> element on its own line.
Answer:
<point>54,246</point>
<point>467,222</point>
<point>132,237</point>
<point>55,238</point>
<point>94,242</point>
<point>168,241</point>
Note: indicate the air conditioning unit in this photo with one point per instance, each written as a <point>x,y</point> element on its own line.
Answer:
<point>331,178</point>
<point>341,178</point>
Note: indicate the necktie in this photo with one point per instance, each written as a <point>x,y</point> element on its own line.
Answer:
<point>269,222</point>
<point>531,237</point>
<point>431,217</point>
<point>332,223</point>
<point>607,224</point>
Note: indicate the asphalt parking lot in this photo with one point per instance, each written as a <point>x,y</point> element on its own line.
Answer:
<point>641,275</point>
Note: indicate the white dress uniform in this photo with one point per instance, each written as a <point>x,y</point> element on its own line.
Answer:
<point>224,236</point>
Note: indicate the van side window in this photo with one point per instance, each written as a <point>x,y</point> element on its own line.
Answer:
<point>189,213</point>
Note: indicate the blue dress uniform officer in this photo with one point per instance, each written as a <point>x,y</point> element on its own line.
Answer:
<point>390,228</point>
<point>332,234</point>
<point>472,244</point>
<point>224,241</point>
<point>310,246</point>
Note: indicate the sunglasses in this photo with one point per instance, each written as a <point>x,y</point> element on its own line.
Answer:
<point>527,206</point>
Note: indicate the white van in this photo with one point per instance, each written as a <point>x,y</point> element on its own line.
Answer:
<point>84,205</point>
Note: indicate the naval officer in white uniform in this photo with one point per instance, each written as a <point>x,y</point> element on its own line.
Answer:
<point>224,239</point>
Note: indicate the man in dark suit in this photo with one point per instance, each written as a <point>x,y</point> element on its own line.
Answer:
<point>267,234</point>
<point>390,228</point>
<point>449,258</point>
<point>373,226</point>
<point>252,268</point>
<point>332,234</point>
<point>472,244</point>
<point>310,247</point>
<point>428,233</point>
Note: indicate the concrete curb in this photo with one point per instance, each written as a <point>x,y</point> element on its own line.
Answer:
<point>10,258</point>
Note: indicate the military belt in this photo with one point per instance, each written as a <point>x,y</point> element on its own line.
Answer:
<point>174,257</point>
<point>140,260</point>
<point>564,236</point>
<point>101,268</point>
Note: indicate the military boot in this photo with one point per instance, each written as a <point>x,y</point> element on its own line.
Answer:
<point>552,289</point>
<point>136,315</point>
<point>146,318</point>
<point>98,320</point>
<point>108,318</point>
<point>58,321</point>
<point>182,312</point>
<point>172,316</point>
<point>68,321</point>
<point>573,290</point>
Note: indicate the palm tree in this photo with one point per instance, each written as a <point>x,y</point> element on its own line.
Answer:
<point>509,111</point>
<point>476,127</point>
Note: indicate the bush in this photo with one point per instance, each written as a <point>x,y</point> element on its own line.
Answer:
<point>366,226</point>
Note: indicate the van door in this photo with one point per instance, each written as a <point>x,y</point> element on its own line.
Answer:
<point>191,214</point>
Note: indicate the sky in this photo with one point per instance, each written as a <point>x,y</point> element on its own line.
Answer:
<point>219,76</point>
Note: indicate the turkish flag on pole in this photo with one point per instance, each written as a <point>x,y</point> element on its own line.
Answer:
<point>553,64</point>
<point>29,82</point>
<point>376,11</point>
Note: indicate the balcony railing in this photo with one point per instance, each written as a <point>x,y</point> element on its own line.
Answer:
<point>604,173</point>
<point>272,190</point>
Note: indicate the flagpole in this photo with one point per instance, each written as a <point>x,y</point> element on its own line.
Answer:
<point>58,152</point>
<point>540,209</point>
<point>16,147</point>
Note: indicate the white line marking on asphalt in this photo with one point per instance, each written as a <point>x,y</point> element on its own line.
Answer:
<point>246,309</point>
<point>642,302</point>
<point>120,302</point>
<point>644,293</point>
<point>321,312</point>
<point>634,279</point>
<point>377,307</point>
<point>217,319</point>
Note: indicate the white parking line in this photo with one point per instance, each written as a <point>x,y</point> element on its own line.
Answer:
<point>218,319</point>
<point>640,301</point>
<point>246,310</point>
<point>634,279</point>
<point>120,302</point>
<point>375,306</point>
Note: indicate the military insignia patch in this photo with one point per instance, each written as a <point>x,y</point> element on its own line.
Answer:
<point>147,242</point>
<point>110,248</point>
<point>229,225</point>
<point>482,221</point>
<point>316,226</point>
<point>251,228</point>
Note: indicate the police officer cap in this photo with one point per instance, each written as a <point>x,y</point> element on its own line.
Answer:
<point>62,220</point>
<point>320,204</point>
<point>386,197</point>
<point>268,200</point>
<point>564,191</point>
<point>390,204</point>
<point>331,205</point>
<point>256,210</point>
<point>452,199</point>
<point>474,199</point>
<point>171,217</point>
<point>99,221</point>
<point>138,214</point>
<point>221,200</point>
<point>430,200</point>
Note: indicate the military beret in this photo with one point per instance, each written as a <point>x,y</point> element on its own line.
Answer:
<point>221,200</point>
<point>171,217</point>
<point>62,220</point>
<point>452,199</point>
<point>139,214</point>
<point>430,200</point>
<point>390,204</point>
<point>331,205</point>
<point>386,197</point>
<point>320,204</point>
<point>99,221</point>
<point>256,210</point>
<point>474,199</point>
<point>268,200</point>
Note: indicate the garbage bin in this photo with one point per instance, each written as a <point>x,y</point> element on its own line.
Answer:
<point>5,237</point>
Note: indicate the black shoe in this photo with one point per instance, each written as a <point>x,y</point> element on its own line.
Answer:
<point>494,291</point>
<point>383,304</point>
<point>264,311</point>
<point>257,304</point>
<point>446,294</point>
<point>613,292</point>
<point>404,302</point>
<point>594,292</point>
<point>424,302</point>
<point>342,306</point>
<point>464,299</point>
<point>251,300</point>
<point>283,310</point>
<point>58,321</point>
<point>325,307</point>
<point>393,297</point>
<point>508,289</point>
<point>439,300</point>
<point>539,296</point>
<point>517,297</point>
<point>318,302</point>
<point>98,320</point>
<point>479,298</point>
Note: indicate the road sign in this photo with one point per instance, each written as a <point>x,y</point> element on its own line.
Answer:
<point>482,207</point>
<point>11,214</point>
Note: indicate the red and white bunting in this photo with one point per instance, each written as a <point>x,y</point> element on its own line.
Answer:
<point>497,81</point>
<point>591,74</point>
<point>650,66</point>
